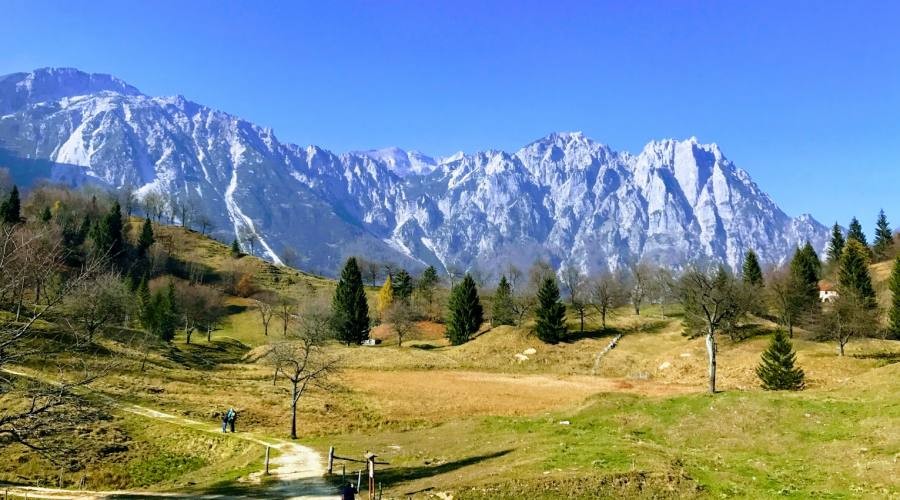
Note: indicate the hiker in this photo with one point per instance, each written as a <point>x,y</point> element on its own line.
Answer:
<point>232,416</point>
<point>348,491</point>
<point>225,421</point>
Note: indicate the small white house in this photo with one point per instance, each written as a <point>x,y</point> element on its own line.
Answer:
<point>827,293</point>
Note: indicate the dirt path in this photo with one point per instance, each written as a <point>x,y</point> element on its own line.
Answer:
<point>297,470</point>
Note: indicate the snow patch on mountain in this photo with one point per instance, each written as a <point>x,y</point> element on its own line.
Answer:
<point>564,197</point>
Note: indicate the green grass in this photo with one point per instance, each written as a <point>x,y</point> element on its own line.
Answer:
<point>750,444</point>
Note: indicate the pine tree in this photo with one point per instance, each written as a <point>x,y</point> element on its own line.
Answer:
<point>854,273</point>
<point>894,312</point>
<point>776,371</point>
<point>107,233</point>
<point>145,240</point>
<point>805,268</point>
<point>350,311</point>
<point>856,232</point>
<point>550,324</point>
<point>386,296</point>
<point>502,308</point>
<point>11,209</point>
<point>884,238</point>
<point>836,247</point>
<point>46,215</point>
<point>403,285</point>
<point>465,313</point>
<point>235,248</point>
<point>752,273</point>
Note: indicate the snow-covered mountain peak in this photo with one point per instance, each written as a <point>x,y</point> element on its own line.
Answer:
<point>401,162</point>
<point>564,197</point>
<point>51,84</point>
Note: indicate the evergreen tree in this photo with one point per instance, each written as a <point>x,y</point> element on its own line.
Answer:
<point>550,324</point>
<point>776,371</point>
<point>144,297</point>
<point>465,313</point>
<point>46,215</point>
<point>856,232</point>
<point>752,273</point>
<point>386,296</point>
<point>107,233</point>
<point>894,313</point>
<point>11,209</point>
<point>145,240</point>
<point>503,309</point>
<point>854,273</point>
<point>884,238</point>
<point>403,285</point>
<point>235,248</point>
<point>350,311</point>
<point>836,247</point>
<point>158,315</point>
<point>805,268</point>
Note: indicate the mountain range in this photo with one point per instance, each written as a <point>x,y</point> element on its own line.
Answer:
<point>565,197</point>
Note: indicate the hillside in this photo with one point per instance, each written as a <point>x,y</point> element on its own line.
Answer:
<point>475,420</point>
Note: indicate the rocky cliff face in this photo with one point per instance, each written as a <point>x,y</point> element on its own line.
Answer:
<point>564,197</point>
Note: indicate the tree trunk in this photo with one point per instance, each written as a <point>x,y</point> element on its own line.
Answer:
<point>582,320</point>
<point>294,412</point>
<point>711,349</point>
<point>603,319</point>
<point>208,333</point>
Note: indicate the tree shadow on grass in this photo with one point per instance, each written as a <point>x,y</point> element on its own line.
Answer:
<point>207,356</point>
<point>394,475</point>
<point>599,333</point>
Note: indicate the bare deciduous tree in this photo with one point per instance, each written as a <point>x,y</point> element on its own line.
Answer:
<point>97,302</point>
<point>402,320</point>
<point>607,293</point>
<point>36,414</point>
<point>266,309</point>
<point>575,285</point>
<point>848,316</point>
<point>300,360</point>
<point>711,299</point>
<point>641,281</point>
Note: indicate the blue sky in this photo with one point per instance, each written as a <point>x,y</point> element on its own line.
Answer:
<point>803,95</point>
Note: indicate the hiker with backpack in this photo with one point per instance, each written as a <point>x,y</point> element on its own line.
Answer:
<point>228,420</point>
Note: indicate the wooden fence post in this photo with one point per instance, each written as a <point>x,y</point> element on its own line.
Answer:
<point>267,460</point>
<point>330,459</point>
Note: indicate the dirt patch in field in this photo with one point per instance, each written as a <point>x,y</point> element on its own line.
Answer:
<point>442,394</point>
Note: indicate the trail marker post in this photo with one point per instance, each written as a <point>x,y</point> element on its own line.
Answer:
<point>267,460</point>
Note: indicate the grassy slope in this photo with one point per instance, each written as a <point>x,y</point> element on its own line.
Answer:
<point>474,420</point>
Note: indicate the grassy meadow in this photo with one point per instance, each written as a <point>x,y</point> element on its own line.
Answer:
<point>475,421</point>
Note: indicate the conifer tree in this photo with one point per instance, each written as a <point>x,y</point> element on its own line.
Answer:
<point>805,267</point>
<point>350,311</point>
<point>884,238</point>
<point>777,370</point>
<point>836,246</point>
<point>107,233</point>
<point>46,215</point>
<point>465,313</point>
<point>145,240</point>
<point>856,232</point>
<point>403,285</point>
<point>386,296</point>
<point>235,248</point>
<point>503,309</point>
<point>550,324</point>
<point>11,209</point>
<point>894,313</point>
<point>752,273</point>
<point>854,273</point>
